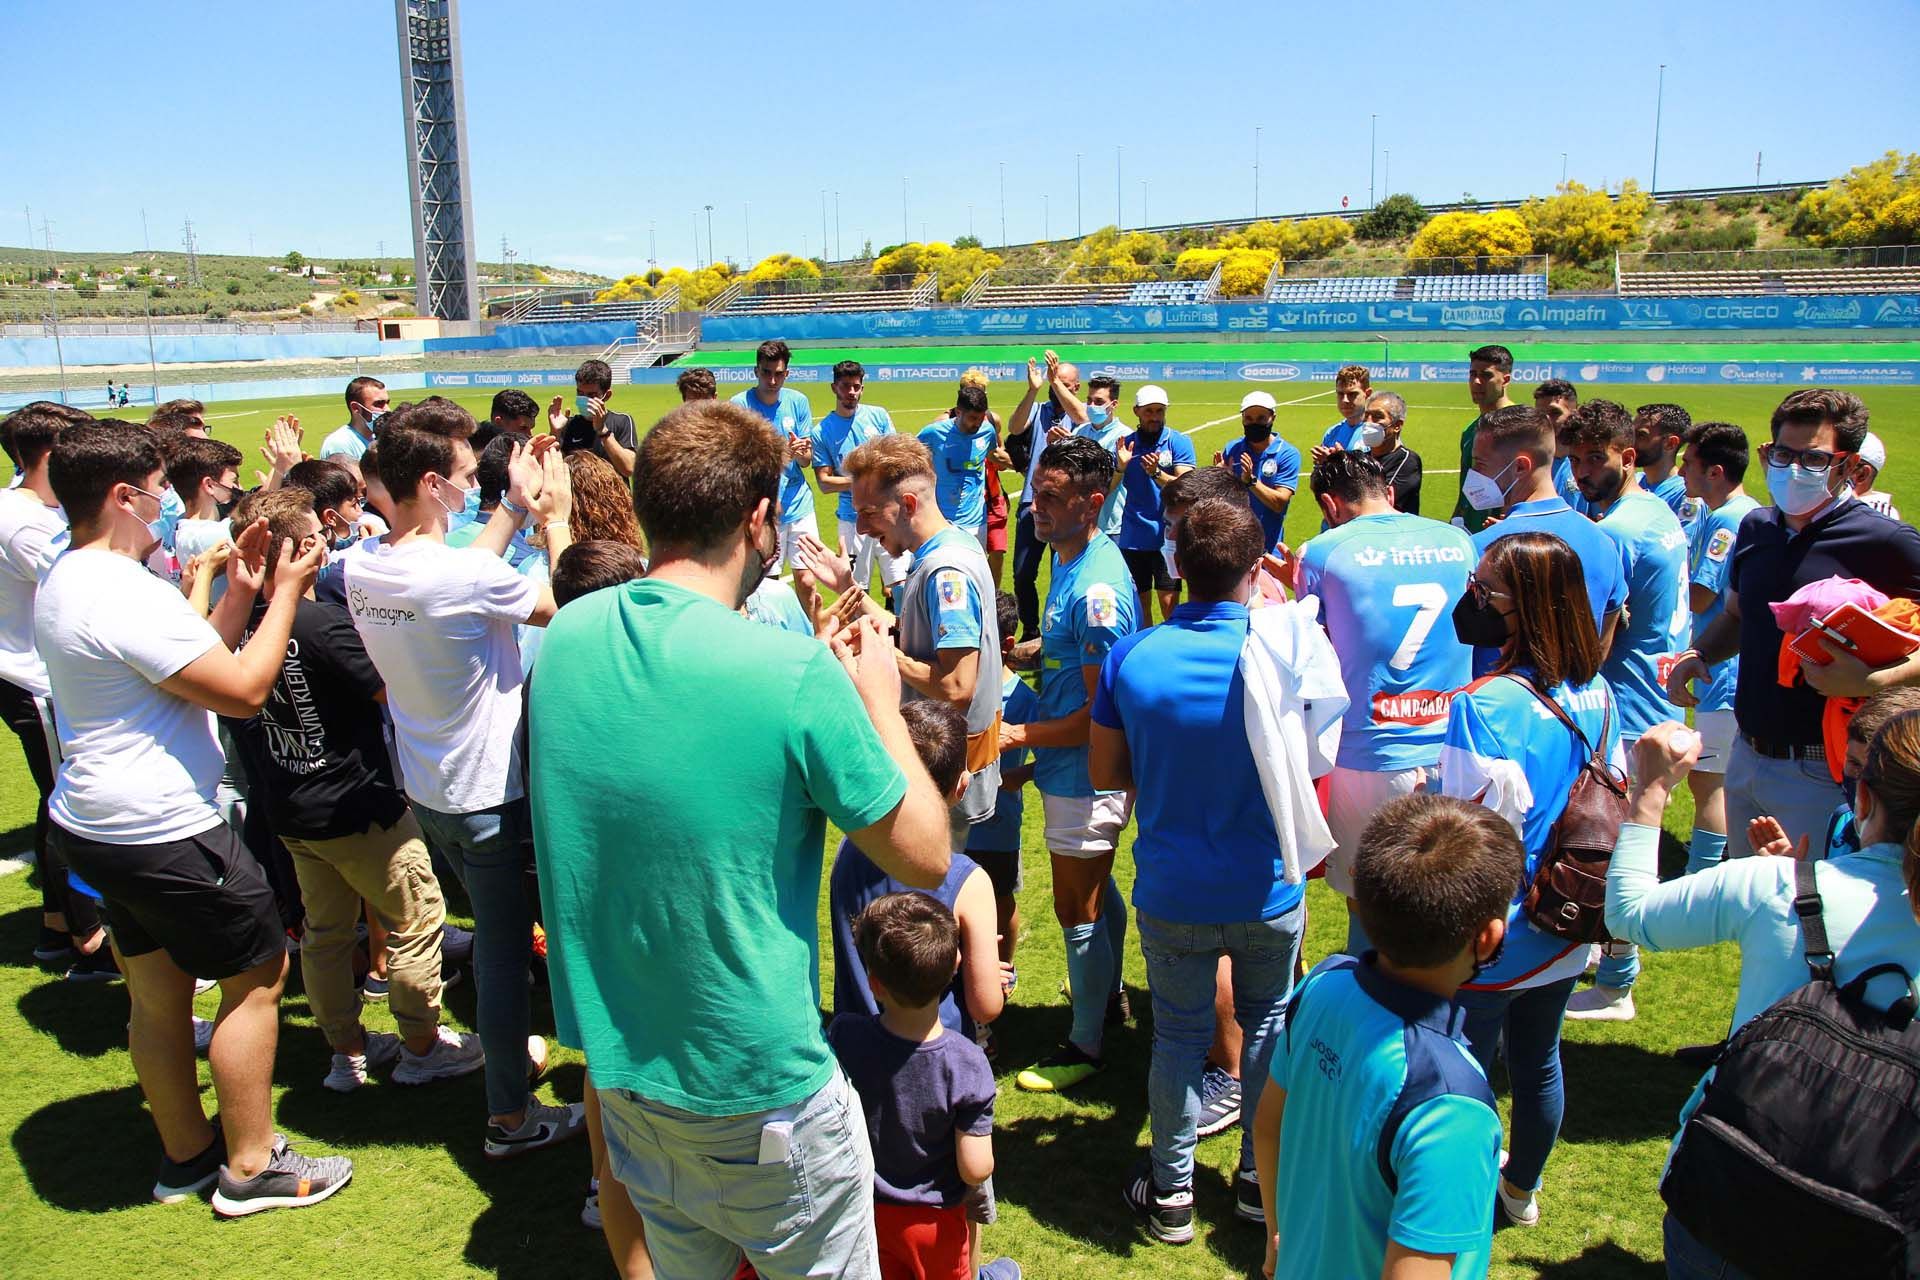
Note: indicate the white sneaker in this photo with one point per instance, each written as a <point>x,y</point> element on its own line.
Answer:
<point>543,1126</point>
<point>453,1054</point>
<point>1602,1004</point>
<point>203,985</point>
<point>1521,1211</point>
<point>351,1070</point>
<point>590,1211</point>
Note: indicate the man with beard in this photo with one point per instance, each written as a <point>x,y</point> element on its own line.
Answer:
<point>705,1068</point>
<point>1658,624</point>
<point>1658,430</point>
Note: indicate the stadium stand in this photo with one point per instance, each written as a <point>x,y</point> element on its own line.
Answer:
<point>1053,295</point>
<point>1805,280</point>
<point>596,312</point>
<point>1495,287</point>
<point>1156,293</point>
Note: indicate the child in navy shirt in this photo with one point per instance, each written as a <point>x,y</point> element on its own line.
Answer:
<point>1377,1143</point>
<point>928,1093</point>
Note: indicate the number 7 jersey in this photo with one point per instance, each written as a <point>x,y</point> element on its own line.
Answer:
<point>1388,585</point>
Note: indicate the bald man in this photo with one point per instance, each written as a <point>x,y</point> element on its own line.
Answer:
<point>1050,418</point>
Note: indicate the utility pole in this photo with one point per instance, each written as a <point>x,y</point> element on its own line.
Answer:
<point>145,240</point>
<point>193,256</point>
<point>1373,133</point>
<point>1145,221</point>
<point>1119,209</point>
<point>823,223</point>
<point>1003,204</point>
<point>1756,168</point>
<point>1659,100</point>
<point>1563,168</point>
<point>1046,220</point>
<point>746,227</point>
<point>905,233</point>
<point>836,229</point>
<point>712,257</point>
<point>653,257</point>
<point>1256,173</point>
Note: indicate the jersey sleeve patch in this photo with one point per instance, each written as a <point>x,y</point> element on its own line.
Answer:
<point>1720,546</point>
<point>1103,606</point>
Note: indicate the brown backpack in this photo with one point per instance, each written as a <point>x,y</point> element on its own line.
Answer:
<point>1568,895</point>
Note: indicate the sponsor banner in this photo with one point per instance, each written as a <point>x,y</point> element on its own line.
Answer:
<point>504,378</point>
<point>1830,311</point>
<point>1318,375</point>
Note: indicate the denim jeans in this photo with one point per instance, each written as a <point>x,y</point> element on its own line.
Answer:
<point>1531,1020</point>
<point>490,851</point>
<point>1028,555</point>
<point>1688,1259</point>
<point>699,1183</point>
<point>1181,962</point>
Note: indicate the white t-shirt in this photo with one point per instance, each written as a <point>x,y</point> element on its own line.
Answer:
<point>32,535</point>
<point>438,623</point>
<point>139,765</point>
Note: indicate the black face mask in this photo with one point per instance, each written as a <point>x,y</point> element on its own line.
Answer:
<point>1481,966</point>
<point>1256,441</point>
<point>1479,623</point>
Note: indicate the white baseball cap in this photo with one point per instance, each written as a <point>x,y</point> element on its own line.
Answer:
<point>1257,400</point>
<point>1874,452</point>
<point>1150,394</point>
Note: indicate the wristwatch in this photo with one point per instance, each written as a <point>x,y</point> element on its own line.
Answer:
<point>604,433</point>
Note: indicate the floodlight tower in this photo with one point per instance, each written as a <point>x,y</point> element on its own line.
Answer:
<point>434,106</point>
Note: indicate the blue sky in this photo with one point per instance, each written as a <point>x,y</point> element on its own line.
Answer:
<point>278,126</point>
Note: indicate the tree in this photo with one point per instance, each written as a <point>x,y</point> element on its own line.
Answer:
<point>1396,216</point>
<point>1243,272</point>
<point>1498,236</point>
<point>296,263</point>
<point>1305,238</point>
<point>966,242</point>
<point>1876,203</point>
<point>1581,225</point>
<point>1108,256</point>
<point>782,266</point>
<point>957,268</point>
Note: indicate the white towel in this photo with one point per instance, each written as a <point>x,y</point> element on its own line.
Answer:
<point>1294,703</point>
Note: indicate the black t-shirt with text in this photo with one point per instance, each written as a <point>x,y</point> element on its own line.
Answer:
<point>317,754</point>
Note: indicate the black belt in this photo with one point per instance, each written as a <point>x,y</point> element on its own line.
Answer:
<point>1783,751</point>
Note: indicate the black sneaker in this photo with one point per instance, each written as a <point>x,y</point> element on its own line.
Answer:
<point>1119,1008</point>
<point>1169,1214</point>
<point>54,947</point>
<point>97,966</point>
<point>1219,1103</point>
<point>178,1180</point>
<point>1246,1196</point>
<point>289,1181</point>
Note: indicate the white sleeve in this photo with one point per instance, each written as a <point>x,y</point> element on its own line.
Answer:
<point>1320,688</point>
<point>159,635</point>
<point>502,592</point>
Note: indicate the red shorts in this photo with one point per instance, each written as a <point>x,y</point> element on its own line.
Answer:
<point>918,1242</point>
<point>997,522</point>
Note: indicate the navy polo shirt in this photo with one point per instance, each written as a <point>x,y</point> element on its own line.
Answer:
<point>1206,851</point>
<point>1390,1131</point>
<point>1770,563</point>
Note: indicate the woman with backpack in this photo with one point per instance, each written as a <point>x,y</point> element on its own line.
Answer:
<point>1865,910</point>
<point>1518,739</point>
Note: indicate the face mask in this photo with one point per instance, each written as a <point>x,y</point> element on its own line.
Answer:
<point>1796,490</point>
<point>466,495</point>
<point>1481,966</point>
<point>1099,415</point>
<point>1256,437</point>
<point>1477,624</point>
<point>373,420</point>
<point>157,529</point>
<point>1371,436</point>
<point>225,507</point>
<point>1484,492</point>
<point>583,404</point>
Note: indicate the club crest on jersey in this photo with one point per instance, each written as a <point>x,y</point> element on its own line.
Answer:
<point>1720,545</point>
<point>1103,607</point>
<point>950,583</point>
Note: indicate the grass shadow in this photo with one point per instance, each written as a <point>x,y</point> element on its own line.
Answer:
<point>1603,1261</point>
<point>59,1147</point>
<point>88,1019</point>
<point>1619,1092</point>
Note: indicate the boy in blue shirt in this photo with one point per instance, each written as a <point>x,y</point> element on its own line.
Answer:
<point>995,843</point>
<point>1377,1141</point>
<point>1149,460</point>
<point>791,417</point>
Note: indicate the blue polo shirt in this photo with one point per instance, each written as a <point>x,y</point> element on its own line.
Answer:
<point>792,417</point>
<point>1175,691</point>
<point>1142,524</point>
<point>1388,585</point>
<point>1709,555</point>
<point>1659,620</point>
<point>1090,604</point>
<point>1390,1132</point>
<point>835,437</point>
<point>960,469</point>
<point>1602,559</point>
<point>1000,833</point>
<point>1343,435</point>
<point>1276,466</point>
<point>1565,486</point>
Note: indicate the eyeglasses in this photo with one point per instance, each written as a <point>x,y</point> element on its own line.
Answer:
<point>1482,592</point>
<point>1814,460</point>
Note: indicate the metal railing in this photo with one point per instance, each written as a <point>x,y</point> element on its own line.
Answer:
<point>1894,255</point>
<point>1532,264</point>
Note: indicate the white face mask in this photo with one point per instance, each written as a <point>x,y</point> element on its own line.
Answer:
<point>1372,435</point>
<point>1484,492</point>
<point>466,495</point>
<point>1798,491</point>
<point>1166,553</point>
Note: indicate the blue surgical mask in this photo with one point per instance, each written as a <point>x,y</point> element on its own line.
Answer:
<point>1099,415</point>
<point>583,404</point>
<point>1796,490</point>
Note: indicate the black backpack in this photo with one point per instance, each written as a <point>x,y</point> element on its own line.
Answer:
<point>1803,1158</point>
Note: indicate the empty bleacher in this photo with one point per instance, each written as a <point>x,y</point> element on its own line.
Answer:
<point>592,312</point>
<point>1161,293</point>
<point>798,302</point>
<point>1794,280</point>
<point>1053,295</point>
<point>1478,287</point>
